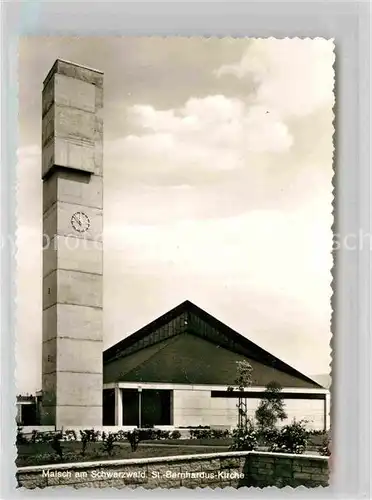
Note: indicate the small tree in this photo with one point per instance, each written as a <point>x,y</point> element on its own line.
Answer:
<point>242,381</point>
<point>271,408</point>
<point>244,436</point>
<point>243,377</point>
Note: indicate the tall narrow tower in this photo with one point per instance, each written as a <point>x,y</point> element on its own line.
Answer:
<point>72,173</point>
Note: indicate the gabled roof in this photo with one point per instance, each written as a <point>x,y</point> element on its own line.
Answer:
<point>137,349</point>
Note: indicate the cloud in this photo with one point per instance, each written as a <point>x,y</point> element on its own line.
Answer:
<point>206,135</point>
<point>202,124</point>
<point>215,135</point>
<point>293,77</point>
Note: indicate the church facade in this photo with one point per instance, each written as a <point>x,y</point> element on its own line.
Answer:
<point>175,372</point>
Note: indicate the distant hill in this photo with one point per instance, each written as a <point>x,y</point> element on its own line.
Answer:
<point>323,379</point>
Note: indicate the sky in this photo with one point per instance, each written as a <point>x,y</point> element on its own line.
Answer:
<point>217,188</point>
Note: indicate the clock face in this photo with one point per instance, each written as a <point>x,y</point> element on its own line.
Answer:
<point>80,222</point>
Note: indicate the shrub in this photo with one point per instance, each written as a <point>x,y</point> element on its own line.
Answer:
<point>194,427</point>
<point>69,435</point>
<point>120,436</point>
<point>21,438</point>
<point>324,449</point>
<point>108,443</point>
<point>56,445</point>
<point>46,437</point>
<point>207,433</point>
<point>175,434</point>
<point>134,439</point>
<point>84,441</point>
<point>317,432</point>
<point>164,435</point>
<point>268,436</point>
<point>200,433</point>
<point>244,438</point>
<point>86,436</point>
<point>148,434</point>
<point>193,433</point>
<point>220,433</point>
<point>291,438</point>
<point>93,435</point>
<point>40,437</point>
<point>33,436</point>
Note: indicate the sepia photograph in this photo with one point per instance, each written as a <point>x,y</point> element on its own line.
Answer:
<point>174,262</point>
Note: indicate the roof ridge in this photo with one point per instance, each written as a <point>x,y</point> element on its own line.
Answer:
<point>253,344</point>
<point>109,352</point>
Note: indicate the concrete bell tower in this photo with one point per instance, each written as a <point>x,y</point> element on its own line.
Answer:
<point>72,173</point>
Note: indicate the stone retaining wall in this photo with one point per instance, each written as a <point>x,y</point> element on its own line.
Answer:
<point>215,470</point>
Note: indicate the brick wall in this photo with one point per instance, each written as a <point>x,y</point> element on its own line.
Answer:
<point>215,470</point>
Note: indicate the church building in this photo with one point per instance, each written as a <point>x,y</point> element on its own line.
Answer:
<point>175,371</point>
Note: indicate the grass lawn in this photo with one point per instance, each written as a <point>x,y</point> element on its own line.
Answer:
<point>193,442</point>
<point>43,454</point>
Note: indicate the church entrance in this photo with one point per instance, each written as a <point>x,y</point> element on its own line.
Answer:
<point>147,408</point>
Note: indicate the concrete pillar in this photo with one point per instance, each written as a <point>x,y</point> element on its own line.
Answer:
<point>72,173</point>
<point>118,406</point>
<point>19,414</point>
<point>327,411</point>
<point>140,407</point>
